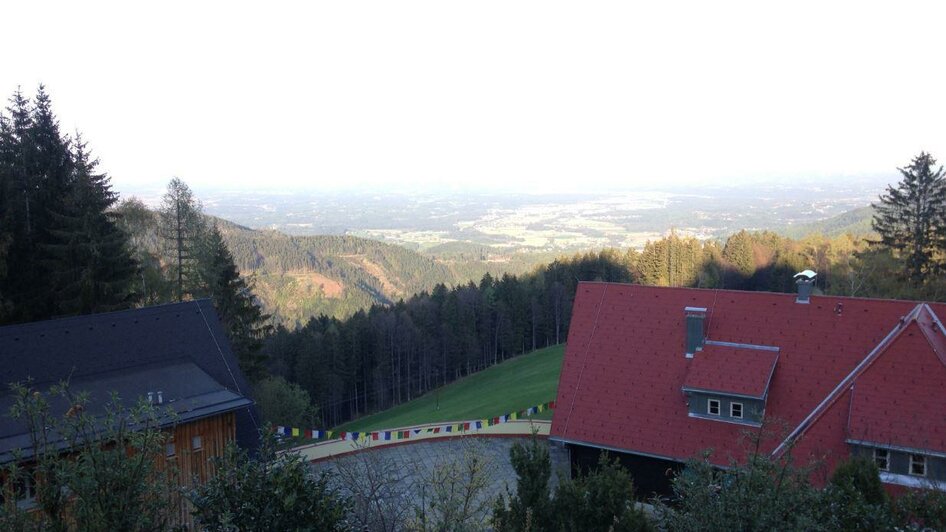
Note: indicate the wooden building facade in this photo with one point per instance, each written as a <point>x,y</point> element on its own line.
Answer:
<point>175,357</point>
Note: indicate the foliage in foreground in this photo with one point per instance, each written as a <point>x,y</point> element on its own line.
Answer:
<point>452,497</point>
<point>762,494</point>
<point>108,481</point>
<point>773,494</point>
<point>601,499</point>
<point>275,491</point>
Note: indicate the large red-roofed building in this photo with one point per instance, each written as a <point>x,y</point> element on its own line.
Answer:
<point>662,375</point>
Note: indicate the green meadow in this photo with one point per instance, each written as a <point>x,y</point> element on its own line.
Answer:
<point>516,384</point>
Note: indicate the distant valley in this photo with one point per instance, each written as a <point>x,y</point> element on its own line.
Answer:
<point>335,253</point>
<point>447,224</point>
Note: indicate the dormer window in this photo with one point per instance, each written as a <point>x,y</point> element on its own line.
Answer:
<point>882,459</point>
<point>918,465</point>
<point>729,382</point>
<point>712,407</point>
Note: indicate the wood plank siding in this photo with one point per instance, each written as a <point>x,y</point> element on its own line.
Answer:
<point>195,465</point>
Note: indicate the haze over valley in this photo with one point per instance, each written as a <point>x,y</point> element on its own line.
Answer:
<point>443,224</point>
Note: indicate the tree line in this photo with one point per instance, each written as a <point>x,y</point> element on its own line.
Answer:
<point>68,248</point>
<point>389,354</point>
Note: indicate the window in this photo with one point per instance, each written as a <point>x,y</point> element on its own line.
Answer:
<point>712,407</point>
<point>735,410</point>
<point>24,487</point>
<point>918,465</point>
<point>196,443</point>
<point>882,459</point>
<point>169,448</point>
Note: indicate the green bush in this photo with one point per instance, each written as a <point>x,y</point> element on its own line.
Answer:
<point>601,500</point>
<point>271,492</point>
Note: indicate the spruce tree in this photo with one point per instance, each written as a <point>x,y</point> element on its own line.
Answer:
<point>92,266</point>
<point>18,202</point>
<point>910,217</point>
<point>60,252</point>
<point>235,303</point>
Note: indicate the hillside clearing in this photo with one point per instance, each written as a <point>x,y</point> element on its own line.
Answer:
<point>524,381</point>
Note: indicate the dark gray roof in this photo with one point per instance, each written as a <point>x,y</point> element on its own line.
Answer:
<point>179,349</point>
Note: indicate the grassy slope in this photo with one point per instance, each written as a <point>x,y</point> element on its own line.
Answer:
<point>516,384</point>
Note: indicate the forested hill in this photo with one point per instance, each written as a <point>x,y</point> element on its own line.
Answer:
<point>301,276</point>
<point>856,222</point>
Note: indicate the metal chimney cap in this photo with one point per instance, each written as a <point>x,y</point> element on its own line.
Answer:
<point>806,275</point>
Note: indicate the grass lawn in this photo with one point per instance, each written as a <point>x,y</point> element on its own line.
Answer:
<point>515,384</point>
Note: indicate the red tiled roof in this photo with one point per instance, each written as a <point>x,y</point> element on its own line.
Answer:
<point>731,370</point>
<point>621,381</point>
<point>883,408</point>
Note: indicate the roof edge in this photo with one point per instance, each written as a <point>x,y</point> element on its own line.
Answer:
<point>914,450</point>
<point>721,392</point>
<point>615,449</point>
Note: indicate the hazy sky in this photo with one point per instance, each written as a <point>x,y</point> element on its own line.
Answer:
<point>528,95</point>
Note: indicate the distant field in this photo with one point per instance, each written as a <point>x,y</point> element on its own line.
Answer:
<point>516,384</point>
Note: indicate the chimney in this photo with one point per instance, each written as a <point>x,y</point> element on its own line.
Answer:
<point>160,397</point>
<point>805,281</point>
<point>695,332</point>
<point>151,398</point>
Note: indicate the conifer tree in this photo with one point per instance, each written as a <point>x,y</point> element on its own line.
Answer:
<point>60,252</point>
<point>910,217</point>
<point>181,228</point>
<point>92,266</point>
<point>18,202</point>
<point>235,303</point>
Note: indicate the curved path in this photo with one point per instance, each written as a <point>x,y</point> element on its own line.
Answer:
<point>316,452</point>
<point>391,481</point>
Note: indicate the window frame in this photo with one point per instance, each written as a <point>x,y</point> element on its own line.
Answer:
<point>709,407</point>
<point>25,488</point>
<point>885,458</point>
<point>922,461</point>
<point>732,413</point>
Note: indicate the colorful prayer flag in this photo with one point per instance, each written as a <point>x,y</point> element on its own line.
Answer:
<point>295,433</point>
